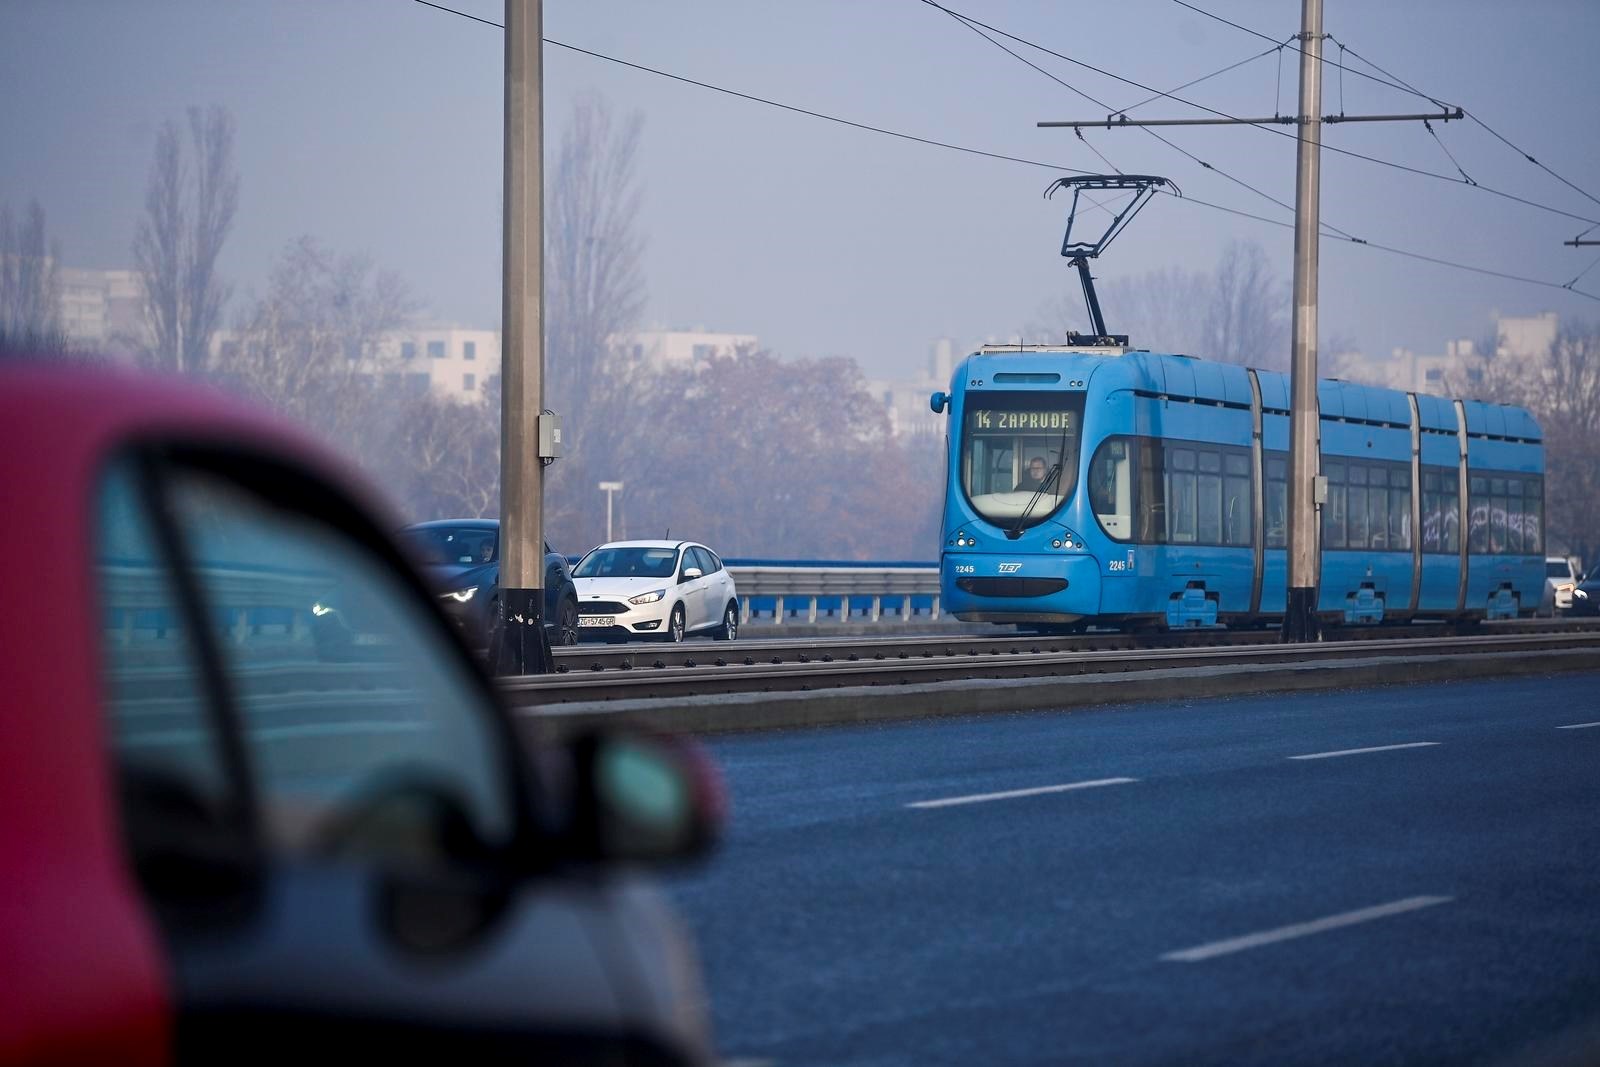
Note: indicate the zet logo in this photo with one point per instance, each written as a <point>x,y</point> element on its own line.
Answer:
<point>1010,568</point>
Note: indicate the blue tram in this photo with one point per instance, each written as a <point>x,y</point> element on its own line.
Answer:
<point>1131,488</point>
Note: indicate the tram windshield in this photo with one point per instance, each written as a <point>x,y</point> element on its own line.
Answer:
<point>1019,454</point>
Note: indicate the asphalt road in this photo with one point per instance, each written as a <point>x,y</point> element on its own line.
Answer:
<point>1200,894</point>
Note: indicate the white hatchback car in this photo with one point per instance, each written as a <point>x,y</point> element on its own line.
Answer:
<point>655,589</point>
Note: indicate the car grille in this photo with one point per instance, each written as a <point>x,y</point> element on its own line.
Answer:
<point>1011,587</point>
<point>601,607</point>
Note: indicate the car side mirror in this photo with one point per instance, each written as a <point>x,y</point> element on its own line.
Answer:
<point>691,573</point>
<point>643,799</point>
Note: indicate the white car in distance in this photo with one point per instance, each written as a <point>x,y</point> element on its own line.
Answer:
<point>665,590</point>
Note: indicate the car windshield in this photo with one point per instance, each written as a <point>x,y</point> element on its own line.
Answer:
<point>628,563</point>
<point>1019,454</point>
<point>453,544</point>
<point>1557,569</point>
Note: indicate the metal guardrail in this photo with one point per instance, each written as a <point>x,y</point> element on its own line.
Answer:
<point>835,592</point>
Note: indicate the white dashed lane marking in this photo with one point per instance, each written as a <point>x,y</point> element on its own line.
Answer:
<point>1364,751</point>
<point>1305,929</point>
<point>1012,794</point>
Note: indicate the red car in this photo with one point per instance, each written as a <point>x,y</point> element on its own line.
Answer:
<point>220,847</point>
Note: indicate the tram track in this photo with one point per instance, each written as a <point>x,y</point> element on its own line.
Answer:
<point>796,667</point>
<point>778,652</point>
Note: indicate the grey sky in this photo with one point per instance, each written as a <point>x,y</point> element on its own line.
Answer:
<point>374,125</point>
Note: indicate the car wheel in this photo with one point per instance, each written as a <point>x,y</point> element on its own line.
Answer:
<point>567,622</point>
<point>729,630</point>
<point>676,625</point>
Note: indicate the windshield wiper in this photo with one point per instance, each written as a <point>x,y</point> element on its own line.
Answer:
<point>1050,476</point>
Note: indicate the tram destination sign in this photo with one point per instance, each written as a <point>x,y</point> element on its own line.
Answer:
<point>1056,421</point>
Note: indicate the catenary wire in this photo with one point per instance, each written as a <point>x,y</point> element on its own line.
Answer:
<point>1422,172</point>
<point>1394,82</point>
<point>1011,159</point>
<point>974,27</point>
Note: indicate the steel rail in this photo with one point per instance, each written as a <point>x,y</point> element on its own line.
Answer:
<point>775,651</point>
<point>1015,663</point>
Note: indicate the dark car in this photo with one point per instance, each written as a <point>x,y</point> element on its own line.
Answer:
<point>216,846</point>
<point>462,559</point>
<point>1586,596</point>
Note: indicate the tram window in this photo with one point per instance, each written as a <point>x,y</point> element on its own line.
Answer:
<point>1514,516</point>
<point>1478,515</point>
<point>1277,503</point>
<point>1152,494</point>
<point>1333,513</point>
<point>1533,517</point>
<point>1497,514</point>
<point>1378,507</point>
<point>1432,513</point>
<point>1182,510</point>
<point>1400,509</point>
<point>1236,499</point>
<point>1209,499</point>
<point>1356,528</point>
<point>1450,498</point>
<point>1111,487</point>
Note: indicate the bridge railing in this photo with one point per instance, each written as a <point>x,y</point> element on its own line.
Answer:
<point>792,591</point>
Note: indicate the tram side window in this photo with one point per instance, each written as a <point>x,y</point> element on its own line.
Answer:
<point>1111,487</point>
<point>1533,516</point>
<point>1432,512</point>
<point>1182,518</point>
<point>1497,514</point>
<point>1400,509</point>
<point>1333,513</point>
<point>1209,498</point>
<point>1478,514</point>
<point>1369,506</point>
<point>1450,496</point>
<point>1277,502</point>
<point>1514,516</point>
<point>1356,531</point>
<point>1152,497</point>
<point>1236,500</point>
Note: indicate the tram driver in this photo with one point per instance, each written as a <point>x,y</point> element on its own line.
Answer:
<point>1033,477</point>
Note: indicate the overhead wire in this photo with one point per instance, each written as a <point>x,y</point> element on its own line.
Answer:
<point>776,103</point>
<point>1422,172</point>
<point>972,25</point>
<point>1395,82</point>
<point>994,155</point>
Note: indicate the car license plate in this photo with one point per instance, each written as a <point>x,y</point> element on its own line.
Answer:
<point>596,620</point>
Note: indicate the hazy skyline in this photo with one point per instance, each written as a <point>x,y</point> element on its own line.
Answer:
<point>375,126</point>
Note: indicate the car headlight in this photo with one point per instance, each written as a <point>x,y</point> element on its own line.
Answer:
<point>1580,594</point>
<point>319,610</point>
<point>1566,587</point>
<point>647,598</point>
<point>461,596</point>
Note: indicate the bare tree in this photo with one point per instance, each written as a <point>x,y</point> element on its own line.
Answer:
<point>313,347</point>
<point>1237,313</point>
<point>30,293</point>
<point>594,293</point>
<point>1246,318</point>
<point>188,213</point>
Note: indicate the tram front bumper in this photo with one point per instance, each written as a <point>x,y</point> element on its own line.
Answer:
<point>983,587</point>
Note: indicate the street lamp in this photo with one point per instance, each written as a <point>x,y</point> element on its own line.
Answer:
<point>608,488</point>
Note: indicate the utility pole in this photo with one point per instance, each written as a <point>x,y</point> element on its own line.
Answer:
<point>1306,488</point>
<point>1300,614</point>
<point>524,648</point>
